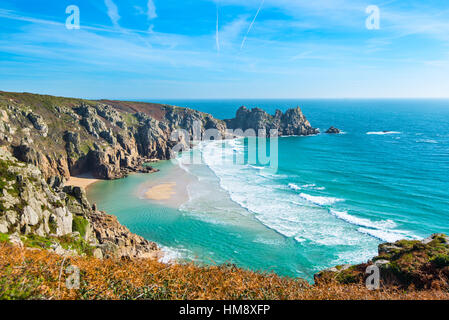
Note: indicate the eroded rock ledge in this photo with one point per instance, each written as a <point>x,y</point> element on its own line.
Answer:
<point>30,206</point>
<point>418,264</point>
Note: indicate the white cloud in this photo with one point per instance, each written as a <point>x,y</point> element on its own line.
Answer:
<point>112,12</point>
<point>231,33</point>
<point>151,13</point>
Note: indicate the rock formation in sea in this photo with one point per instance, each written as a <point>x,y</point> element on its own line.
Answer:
<point>333,130</point>
<point>292,122</point>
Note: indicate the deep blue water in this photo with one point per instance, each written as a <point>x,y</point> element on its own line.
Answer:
<point>333,199</point>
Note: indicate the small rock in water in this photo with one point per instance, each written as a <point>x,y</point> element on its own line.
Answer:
<point>333,130</point>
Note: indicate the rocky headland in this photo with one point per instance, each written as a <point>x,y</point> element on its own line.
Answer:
<point>291,123</point>
<point>45,140</point>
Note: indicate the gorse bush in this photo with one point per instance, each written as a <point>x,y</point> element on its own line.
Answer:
<point>35,274</point>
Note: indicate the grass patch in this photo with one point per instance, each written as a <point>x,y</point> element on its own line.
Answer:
<point>80,225</point>
<point>129,119</point>
<point>5,174</point>
<point>53,226</point>
<point>78,244</point>
<point>35,241</point>
<point>4,237</point>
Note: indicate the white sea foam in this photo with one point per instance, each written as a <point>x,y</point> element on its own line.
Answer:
<point>387,235</point>
<point>173,255</point>
<point>362,222</point>
<point>294,186</point>
<point>310,186</point>
<point>301,216</point>
<point>257,167</point>
<point>320,200</point>
<point>427,141</point>
<point>266,199</point>
<point>382,132</point>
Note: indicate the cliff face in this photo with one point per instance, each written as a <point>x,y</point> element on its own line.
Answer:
<point>29,206</point>
<point>292,122</point>
<point>111,139</point>
<point>45,139</point>
<point>405,264</point>
<point>66,137</point>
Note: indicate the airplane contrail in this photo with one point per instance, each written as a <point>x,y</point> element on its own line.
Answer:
<point>251,25</point>
<point>217,39</point>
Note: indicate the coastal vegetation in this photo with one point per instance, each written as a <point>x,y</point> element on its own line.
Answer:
<point>27,273</point>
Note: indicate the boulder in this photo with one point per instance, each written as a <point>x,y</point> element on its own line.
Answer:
<point>38,123</point>
<point>333,130</point>
<point>437,236</point>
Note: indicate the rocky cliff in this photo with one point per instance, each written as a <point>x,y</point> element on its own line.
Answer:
<point>111,139</point>
<point>64,137</point>
<point>292,122</point>
<point>405,264</point>
<point>46,139</point>
<point>30,207</point>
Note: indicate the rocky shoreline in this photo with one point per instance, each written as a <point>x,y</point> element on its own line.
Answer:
<point>30,206</point>
<point>45,140</point>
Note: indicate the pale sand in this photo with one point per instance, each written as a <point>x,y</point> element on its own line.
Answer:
<point>161,192</point>
<point>81,181</point>
<point>167,187</point>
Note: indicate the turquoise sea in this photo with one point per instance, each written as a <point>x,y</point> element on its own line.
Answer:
<point>333,199</point>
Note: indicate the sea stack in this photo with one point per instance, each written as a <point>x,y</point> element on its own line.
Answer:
<point>333,130</point>
<point>291,123</point>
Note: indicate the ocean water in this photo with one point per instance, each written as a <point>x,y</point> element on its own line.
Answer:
<point>332,199</point>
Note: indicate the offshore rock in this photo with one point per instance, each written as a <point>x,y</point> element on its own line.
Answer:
<point>333,130</point>
<point>292,122</point>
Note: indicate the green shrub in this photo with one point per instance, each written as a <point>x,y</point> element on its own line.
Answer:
<point>80,225</point>
<point>78,244</point>
<point>4,237</point>
<point>35,241</point>
<point>441,260</point>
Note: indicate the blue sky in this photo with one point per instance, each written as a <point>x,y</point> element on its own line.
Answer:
<point>140,49</point>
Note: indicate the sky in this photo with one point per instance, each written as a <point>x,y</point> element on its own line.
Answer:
<point>206,49</point>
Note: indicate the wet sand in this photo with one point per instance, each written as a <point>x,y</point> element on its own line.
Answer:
<point>168,187</point>
<point>161,192</point>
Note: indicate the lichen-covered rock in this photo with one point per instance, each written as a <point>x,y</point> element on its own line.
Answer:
<point>29,206</point>
<point>422,264</point>
<point>116,241</point>
<point>27,201</point>
<point>38,123</point>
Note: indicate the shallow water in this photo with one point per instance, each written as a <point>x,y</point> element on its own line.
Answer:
<point>333,199</point>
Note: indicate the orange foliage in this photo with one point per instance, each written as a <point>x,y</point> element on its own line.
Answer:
<point>35,274</point>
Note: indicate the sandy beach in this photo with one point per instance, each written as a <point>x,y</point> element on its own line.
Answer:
<point>168,187</point>
<point>161,192</point>
<point>82,181</point>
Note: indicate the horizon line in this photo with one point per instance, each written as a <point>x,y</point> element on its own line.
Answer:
<point>148,100</point>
